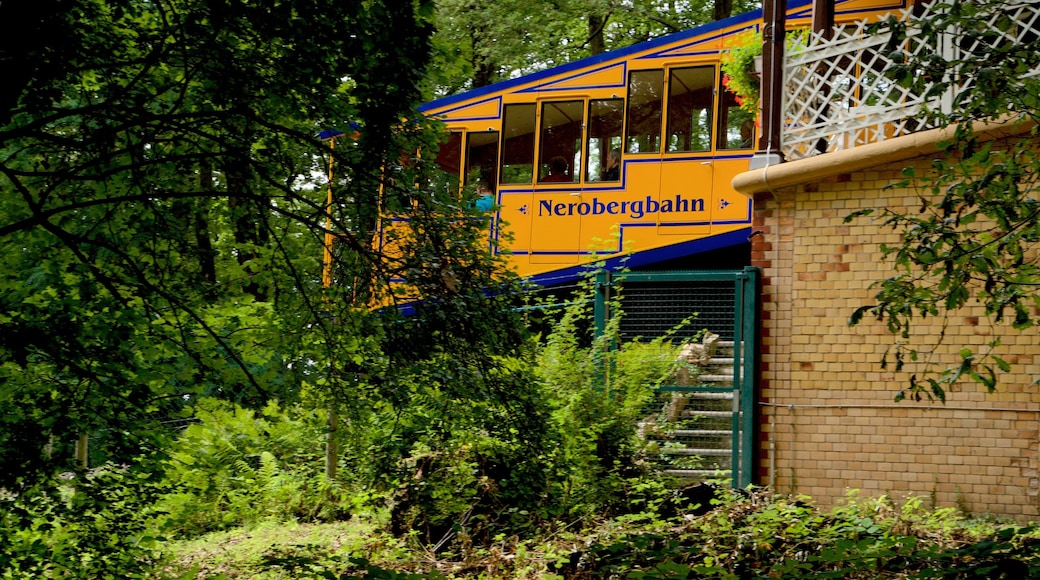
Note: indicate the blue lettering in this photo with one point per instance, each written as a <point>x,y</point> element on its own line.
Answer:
<point>681,204</point>
<point>651,205</point>
<point>636,209</point>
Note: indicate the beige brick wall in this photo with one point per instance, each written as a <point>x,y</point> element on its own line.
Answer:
<point>828,419</point>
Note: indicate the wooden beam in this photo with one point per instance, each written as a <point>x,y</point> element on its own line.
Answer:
<point>823,17</point>
<point>775,19</point>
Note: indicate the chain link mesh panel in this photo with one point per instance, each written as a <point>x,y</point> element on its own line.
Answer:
<point>653,308</point>
<point>688,429</point>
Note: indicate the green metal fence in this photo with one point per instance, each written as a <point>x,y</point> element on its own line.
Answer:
<point>702,426</point>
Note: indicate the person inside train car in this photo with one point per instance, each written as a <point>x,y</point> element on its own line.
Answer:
<point>613,170</point>
<point>557,170</point>
<point>485,201</point>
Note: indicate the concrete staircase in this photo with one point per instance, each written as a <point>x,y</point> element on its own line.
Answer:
<point>689,429</point>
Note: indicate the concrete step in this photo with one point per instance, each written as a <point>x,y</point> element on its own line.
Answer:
<point>693,451</point>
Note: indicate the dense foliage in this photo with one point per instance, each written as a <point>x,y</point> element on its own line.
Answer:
<point>160,239</point>
<point>478,43</point>
<point>163,222</point>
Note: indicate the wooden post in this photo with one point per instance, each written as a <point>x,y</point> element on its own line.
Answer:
<point>823,17</point>
<point>332,425</point>
<point>775,17</point>
<point>331,446</point>
<point>81,451</point>
<point>823,25</point>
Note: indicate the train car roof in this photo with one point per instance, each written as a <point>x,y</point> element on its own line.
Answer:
<point>795,9</point>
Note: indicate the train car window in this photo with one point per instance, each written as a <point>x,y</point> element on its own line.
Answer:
<point>645,91</point>
<point>449,155</point>
<point>518,144</point>
<point>482,158</point>
<point>606,120</point>
<point>559,156</point>
<point>736,126</point>
<point>442,183</point>
<point>691,92</point>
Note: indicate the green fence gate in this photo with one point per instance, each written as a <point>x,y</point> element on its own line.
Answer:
<point>702,426</point>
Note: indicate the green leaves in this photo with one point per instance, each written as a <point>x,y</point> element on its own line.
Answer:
<point>972,241</point>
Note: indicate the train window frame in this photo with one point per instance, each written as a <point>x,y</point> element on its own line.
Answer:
<point>741,129</point>
<point>559,140</point>
<point>484,170</point>
<point>595,169</point>
<point>644,142</point>
<point>516,164</point>
<point>690,128</point>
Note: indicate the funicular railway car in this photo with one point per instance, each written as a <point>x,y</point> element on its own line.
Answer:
<point>632,153</point>
<point>629,151</point>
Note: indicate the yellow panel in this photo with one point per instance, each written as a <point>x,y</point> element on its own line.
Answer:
<point>613,76</point>
<point>869,10</point>
<point>728,206</point>
<point>618,220</point>
<point>490,109</point>
<point>663,204</point>
<point>857,6</point>
<point>515,217</point>
<point>698,48</point>
<point>555,227</point>
<point>686,198</point>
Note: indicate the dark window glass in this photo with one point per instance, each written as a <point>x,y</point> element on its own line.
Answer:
<point>560,142</point>
<point>442,184</point>
<point>690,95</point>
<point>481,158</point>
<point>645,92</point>
<point>449,155</point>
<point>518,144</point>
<point>736,126</point>
<point>606,118</point>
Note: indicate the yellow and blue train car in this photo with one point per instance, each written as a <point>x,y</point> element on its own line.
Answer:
<point>630,152</point>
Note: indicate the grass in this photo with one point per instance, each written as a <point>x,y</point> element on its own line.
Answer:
<point>269,551</point>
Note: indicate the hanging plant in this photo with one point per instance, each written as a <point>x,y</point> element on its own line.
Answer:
<point>738,69</point>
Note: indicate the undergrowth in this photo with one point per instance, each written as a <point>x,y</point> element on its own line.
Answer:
<point>746,534</point>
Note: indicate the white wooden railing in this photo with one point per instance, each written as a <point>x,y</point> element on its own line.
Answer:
<point>837,95</point>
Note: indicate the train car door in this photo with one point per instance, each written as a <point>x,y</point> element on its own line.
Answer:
<point>687,168</point>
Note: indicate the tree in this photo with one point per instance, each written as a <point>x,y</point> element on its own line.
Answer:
<point>481,43</point>
<point>161,228</point>
<point>976,235</point>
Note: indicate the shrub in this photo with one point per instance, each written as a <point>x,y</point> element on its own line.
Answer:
<point>91,524</point>
<point>599,390</point>
<point>236,466</point>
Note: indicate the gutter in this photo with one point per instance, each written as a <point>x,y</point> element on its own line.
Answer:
<point>812,169</point>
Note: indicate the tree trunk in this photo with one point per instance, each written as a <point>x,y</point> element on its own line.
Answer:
<point>247,221</point>
<point>596,42</point>
<point>723,9</point>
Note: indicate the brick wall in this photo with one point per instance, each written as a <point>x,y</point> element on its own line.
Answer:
<point>828,420</point>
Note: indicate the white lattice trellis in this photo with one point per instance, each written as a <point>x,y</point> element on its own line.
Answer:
<point>836,95</point>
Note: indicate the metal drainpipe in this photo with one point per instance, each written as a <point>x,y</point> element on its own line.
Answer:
<point>772,451</point>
